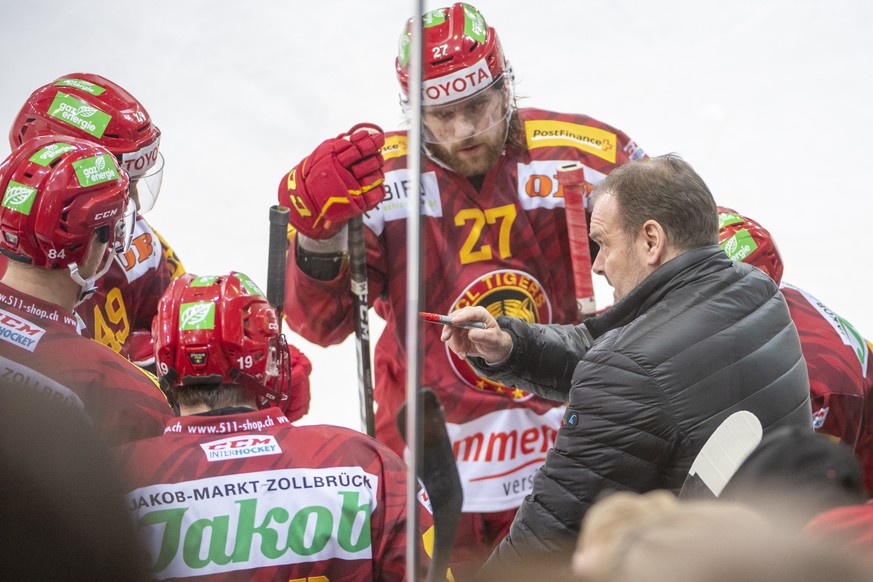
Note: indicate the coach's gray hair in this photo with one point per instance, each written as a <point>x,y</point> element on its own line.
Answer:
<point>665,189</point>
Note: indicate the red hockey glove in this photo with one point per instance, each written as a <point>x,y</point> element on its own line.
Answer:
<point>342,178</point>
<point>139,348</point>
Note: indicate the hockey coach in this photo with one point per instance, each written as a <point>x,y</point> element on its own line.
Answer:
<point>692,338</point>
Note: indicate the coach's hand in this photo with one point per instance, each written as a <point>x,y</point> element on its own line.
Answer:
<point>492,343</point>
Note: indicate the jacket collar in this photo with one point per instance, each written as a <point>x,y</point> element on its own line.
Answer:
<point>673,274</point>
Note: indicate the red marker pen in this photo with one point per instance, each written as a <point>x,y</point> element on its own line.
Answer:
<point>445,320</point>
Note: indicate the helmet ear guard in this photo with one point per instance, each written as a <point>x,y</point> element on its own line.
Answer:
<point>743,239</point>
<point>277,389</point>
<point>221,330</point>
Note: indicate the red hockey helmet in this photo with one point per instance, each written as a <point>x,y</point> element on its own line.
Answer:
<point>462,55</point>
<point>221,330</point>
<point>745,240</point>
<point>57,191</point>
<point>94,108</point>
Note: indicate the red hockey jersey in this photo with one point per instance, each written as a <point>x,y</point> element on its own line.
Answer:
<point>119,315</point>
<point>840,378</point>
<point>503,247</point>
<point>41,350</point>
<point>249,496</point>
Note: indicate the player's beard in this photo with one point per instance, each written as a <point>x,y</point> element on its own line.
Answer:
<point>490,147</point>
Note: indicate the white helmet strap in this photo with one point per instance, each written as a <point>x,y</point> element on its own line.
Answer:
<point>88,286</point>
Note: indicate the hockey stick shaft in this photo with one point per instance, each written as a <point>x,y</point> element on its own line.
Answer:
<point>278,248</point>
<point>360,292</point>
<point>571,178</point>
<point>439,474</point>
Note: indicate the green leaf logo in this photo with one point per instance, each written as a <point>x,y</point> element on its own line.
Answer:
<point>86,111</point>
<point>403,49</point>
<point>79,114</point>
<point>19,197</point>
<point>204,281</point>
<point>434,17</point>
<point>727,218</point>
<point>81,85</point>
<point>474,23</point>
<point>198,315</point>
<point>46,155</point>
<point>248,284</point>
<point>18,194</point>
<point>95,170</point>
<point>740,246</point>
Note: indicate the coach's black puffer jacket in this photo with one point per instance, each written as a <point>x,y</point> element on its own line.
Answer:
<point>647,382</point>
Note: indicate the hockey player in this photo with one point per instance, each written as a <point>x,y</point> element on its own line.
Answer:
<point>837,356</point>
<point>234,491</point>
<point>87,106</point>
<point>494,235</point>
<point>64,215</point>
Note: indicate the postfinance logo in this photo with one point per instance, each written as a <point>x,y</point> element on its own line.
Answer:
<point>19,197</point>
<point>197,315</point>
<point>395,147</point>
<point>79,114</point>
<point>545,133</point>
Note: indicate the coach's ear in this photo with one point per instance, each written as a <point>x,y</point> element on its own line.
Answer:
<point>653,241</point>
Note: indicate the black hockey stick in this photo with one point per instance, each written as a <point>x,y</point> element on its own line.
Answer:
<point>439,474</point>
<point>721,455</point>
<point>276,258</point>
<point>358,272</point>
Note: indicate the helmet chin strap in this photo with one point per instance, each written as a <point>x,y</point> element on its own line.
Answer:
<point>88,286</point>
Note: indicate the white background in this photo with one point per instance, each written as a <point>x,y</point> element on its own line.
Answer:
<point>770,100</point>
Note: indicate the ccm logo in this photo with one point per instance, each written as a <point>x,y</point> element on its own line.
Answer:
<point>107,214</point>
<point>18,325</point>
<point>240,443</point>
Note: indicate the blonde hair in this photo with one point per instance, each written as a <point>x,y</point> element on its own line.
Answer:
<point>653,548</point>
<point>610,519</point>
<point>722,541</point>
